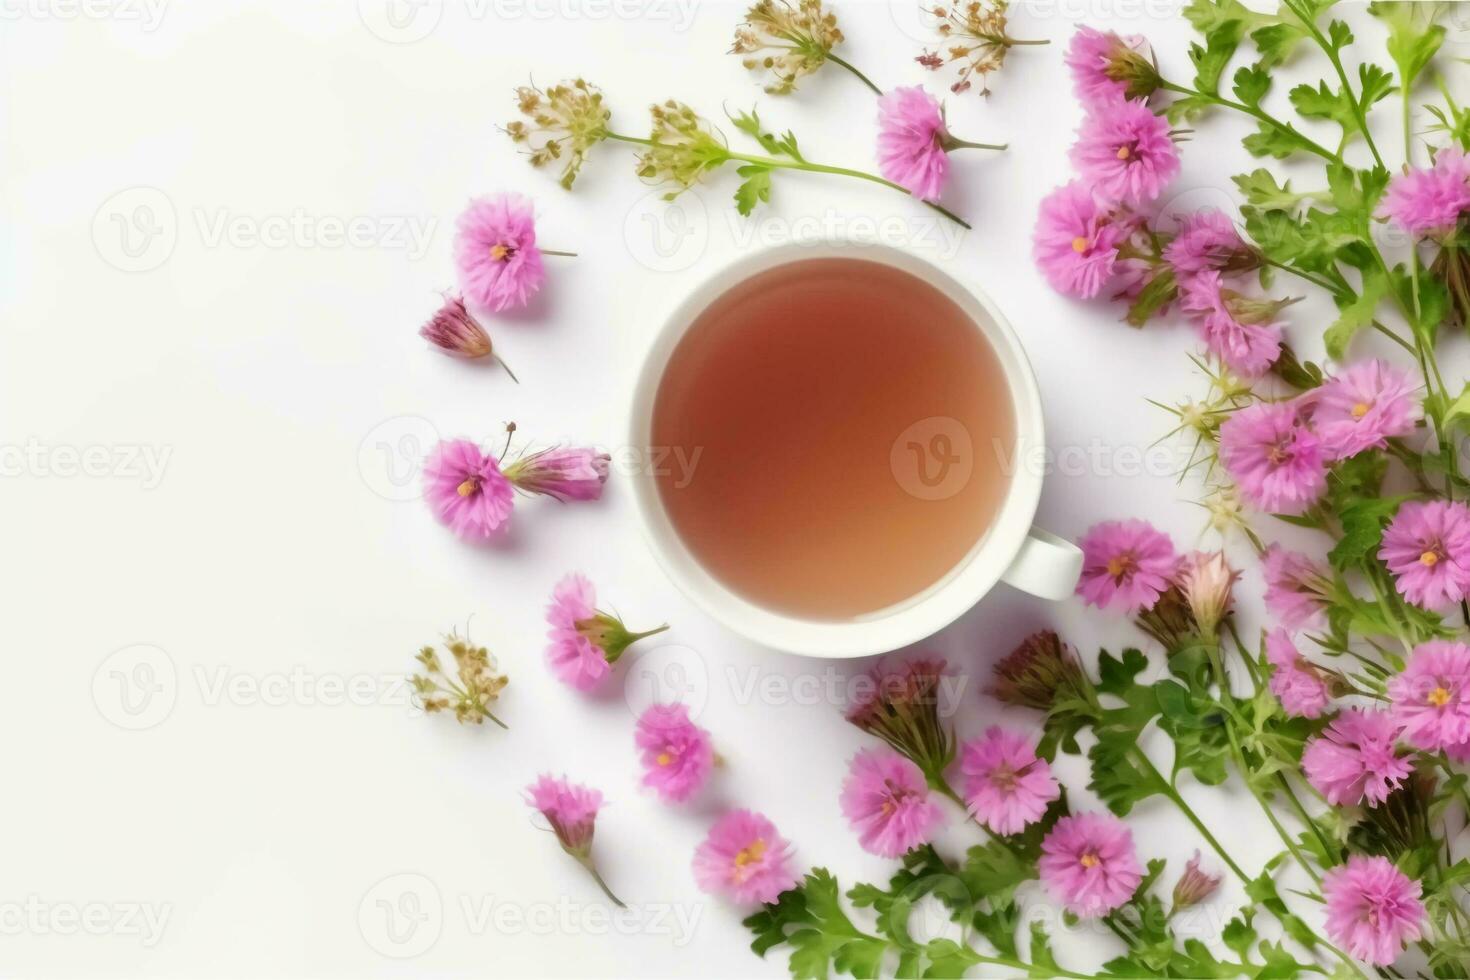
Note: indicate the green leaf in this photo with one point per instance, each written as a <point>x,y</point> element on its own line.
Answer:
<point>1374,85</point>
<point>1210,60</point>
<point>1362,530</point>
<point>1276,141</point>
<point>1043,962</point>
<point>755,190</point>
<point>1412,39</point>
<point>1261,189</point>
<point>1157,293</point>
<point>1325,103</point>
<point>1355,314</point>
<point>1115,675</point>
<point>1276,42</point>
<point>1251,85</point>
<point>1457,413</point>
<point>785,145</point>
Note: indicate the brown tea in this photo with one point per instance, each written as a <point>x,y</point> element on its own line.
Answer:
<point>845,430</point>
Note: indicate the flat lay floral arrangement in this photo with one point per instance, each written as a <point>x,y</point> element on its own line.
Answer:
<point>1347,720</point>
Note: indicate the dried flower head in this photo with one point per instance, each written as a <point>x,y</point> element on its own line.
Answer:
<point>479,682</point>
<point>973,34</point>
<point>1194,885</point>
<point>566,120</point>
<point>900,705</point>
<point>454,331</point>
<point>685,145</point>
<point>1041,673</point>
<point>788,40</point>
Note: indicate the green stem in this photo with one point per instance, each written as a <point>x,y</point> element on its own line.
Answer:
<point>861,77</point>
<point>1302,815</point>
<point>1189,813</point>
<point>1255,113</point>
<point>941,786</point>
<point>549,251</point>
<point>1332,55</point>
<point>592,868</point>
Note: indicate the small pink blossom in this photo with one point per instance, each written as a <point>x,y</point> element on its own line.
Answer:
<point>466,489</point>
<point>495,251</point>
<point>1088,862</point>
<point>1107,67</point>
<point>455,332</point>
<point>1208,584</point>
<point>1428,202</point>
<point>744,857</point>
<point>1275,460</point>
<point>571,809</point>
<point>1431,696</point>
<point>1194,885</point>
<point>911,142</point>
<point>1296,589</point>
<point>1297,683</point>
<point>1373,908</point>
<point>565,473</point>
<point>1007,787</point>
<point>1427,547</point>
<point>1124,153</point>
<point>1208,242</point>
<point>1075,243</point>
<point>886,801</point>
<point>1247,348</point>
<point>1354,759</point>
<point>677,753</point>
<point>1126,565</point>
<point>1363,407</point>
<point>584,640</point>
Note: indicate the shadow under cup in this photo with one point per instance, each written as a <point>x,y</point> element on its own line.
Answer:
<point>833,437</point>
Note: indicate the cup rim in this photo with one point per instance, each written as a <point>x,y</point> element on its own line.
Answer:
<point>919,616</point>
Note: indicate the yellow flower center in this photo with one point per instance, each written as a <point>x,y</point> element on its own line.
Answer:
<point>469,486</point>
<point>1429,558</point>
<point>1360,409</point>
<point>1090,860</point>
<point>1120,565</point>
<point>500,252</point>
<point>664,758</point>
<point>1124,153</point>
<point>1079,244</point>
<point>748,855</point>
<point>1439,697</point>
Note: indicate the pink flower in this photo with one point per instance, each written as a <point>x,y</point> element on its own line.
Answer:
<point>1126,565</point>
<point>886,801</point>
<point>571,810</point>
<point>1427,547</point>
<point>1006,786</point>
<point>1088,862</point>
<point>911,142</point>
<point>677,754</point>
<point>1194,885</point>
<point>1296,589</point>
<point>1354,758</point>
<point>1208,584</point>
<point>1247,348</point>
<point>1275,459</point>
<point>1431,697</point>
<point>1109,68</point>
<point>1075,244</point>
<point>901,705</point>
<point>1373,908</point>
<point>585,641</point>
<point>1296,682</point>
<point>495,250</point>
<point>744,857</point>
<point>466,489</point>
<point>1124,153</point>
<point>1208,242</point>
<point>563,473</point>
<point>455,332</point>
<point>1428,202</point>
<point>1363,407</point>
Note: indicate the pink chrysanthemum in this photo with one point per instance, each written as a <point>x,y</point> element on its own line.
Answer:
<point>1208,242</point>
<point>1431,696</point>
<point>1124,153</point>
<point>495,251</point>
<point>1296,682</point>
<point>886,801</point>
<point>677,754</point>
<point>584,640</point>
<point>571,809</point>
<point>1075,243</point>
<point>1427,547</point>
<point>1354,759</point>
<point>1430,201</point>
<point>1295,589</point>
<point>1088,862</point>
<point>466,489</point>
<point>565,473</point>
<point>1107,67</point>
<point>1275,460</point>
<point>1248,349</point>
<point>911,142</point>
<point>1373,908</point>
<point>1126,565</point>
<point>1363,407</point>
<point>744,857</point>
<point>1007,786</point>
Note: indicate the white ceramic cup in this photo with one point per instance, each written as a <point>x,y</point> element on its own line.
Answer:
<point>1011,550</point>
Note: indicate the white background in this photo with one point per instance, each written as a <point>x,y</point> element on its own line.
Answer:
<point>218,774</point>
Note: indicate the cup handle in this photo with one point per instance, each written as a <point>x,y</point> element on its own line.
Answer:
<point>1047,566</point>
